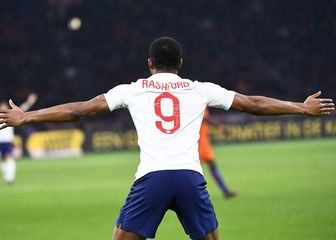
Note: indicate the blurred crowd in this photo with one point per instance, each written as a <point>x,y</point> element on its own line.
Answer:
<point>278,48</point>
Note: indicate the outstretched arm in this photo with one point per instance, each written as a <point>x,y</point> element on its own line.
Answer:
<point>61,113</point>
<point>259,105</point>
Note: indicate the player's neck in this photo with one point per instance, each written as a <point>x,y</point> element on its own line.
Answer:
<point>155,71</point>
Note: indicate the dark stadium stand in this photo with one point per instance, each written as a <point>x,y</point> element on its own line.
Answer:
<point>278,48</point>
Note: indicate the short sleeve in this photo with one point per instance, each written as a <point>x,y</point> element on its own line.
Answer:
<point>218,96</point>
<point>117,96</point>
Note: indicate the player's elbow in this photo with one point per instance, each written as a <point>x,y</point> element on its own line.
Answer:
<point>76,112</point>
<point>255,109</point>
<point>248,104</point>
<point>76,115</point>
<point>253,106</point>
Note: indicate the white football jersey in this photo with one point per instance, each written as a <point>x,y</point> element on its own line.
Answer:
<point>167,112</point>
<point>7,135</point>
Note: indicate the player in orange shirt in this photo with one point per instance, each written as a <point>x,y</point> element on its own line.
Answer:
<point>207,156</point>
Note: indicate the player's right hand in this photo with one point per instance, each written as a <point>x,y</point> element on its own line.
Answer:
<point>12,117</point>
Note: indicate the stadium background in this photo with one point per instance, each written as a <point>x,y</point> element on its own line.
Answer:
<point>72,50</point>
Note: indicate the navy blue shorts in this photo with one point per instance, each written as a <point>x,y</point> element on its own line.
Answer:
<point>6,149</point>
<point>182,191</point>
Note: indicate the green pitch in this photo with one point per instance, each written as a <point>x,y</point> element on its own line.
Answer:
<point>287,190</point>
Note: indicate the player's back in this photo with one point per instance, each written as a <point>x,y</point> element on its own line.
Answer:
<point>167,112</point>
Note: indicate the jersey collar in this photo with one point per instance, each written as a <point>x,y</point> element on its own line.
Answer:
<point>165,77</point>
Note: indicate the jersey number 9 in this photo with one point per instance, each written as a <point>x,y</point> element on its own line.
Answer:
<point>174,117</point>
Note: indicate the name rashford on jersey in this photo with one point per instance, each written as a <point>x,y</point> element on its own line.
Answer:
<point>166,86</point>
<point>167,112</point>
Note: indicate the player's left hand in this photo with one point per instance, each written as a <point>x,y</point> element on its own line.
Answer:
<point>11,117</point>
<point>315,106</point>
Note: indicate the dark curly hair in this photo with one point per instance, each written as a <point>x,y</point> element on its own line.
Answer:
<point>165,53</point>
